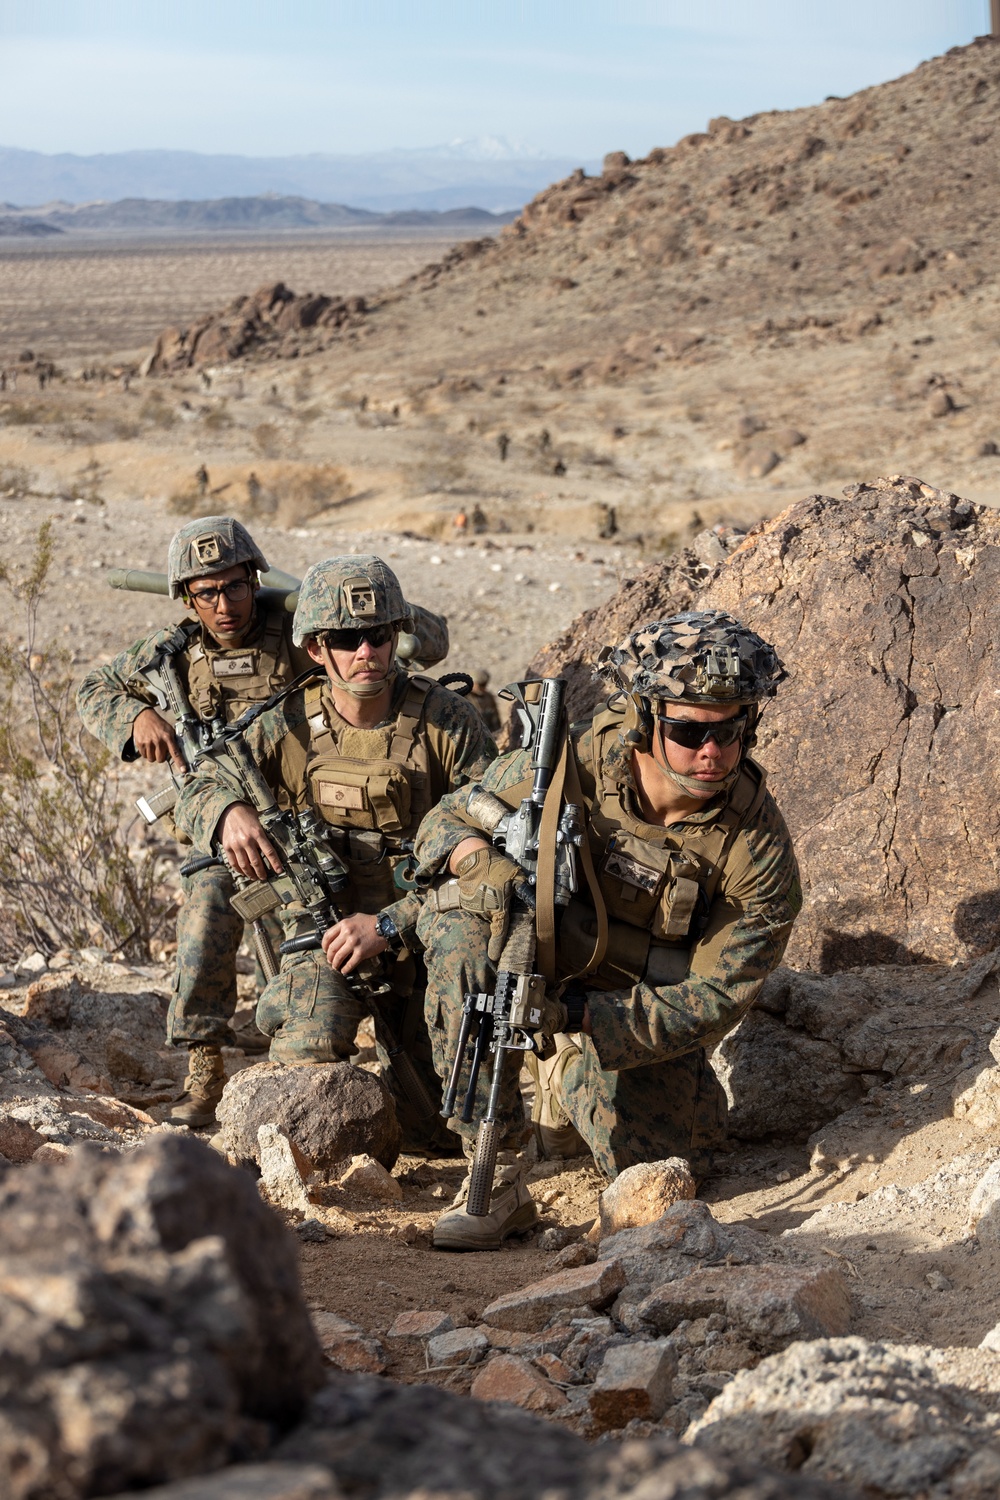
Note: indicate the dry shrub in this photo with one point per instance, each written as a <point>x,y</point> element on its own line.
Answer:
<point>157,411</point>
<point>442,472</point>
<point>308,491</point>
<point>68,876</point>
<point>267,439</point>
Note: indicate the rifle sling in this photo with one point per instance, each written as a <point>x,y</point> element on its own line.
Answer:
<point>564,787</point>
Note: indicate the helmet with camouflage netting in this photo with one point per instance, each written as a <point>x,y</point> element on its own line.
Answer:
<point>207,546</point>
<point>348,593</point>
<point>702,656</point>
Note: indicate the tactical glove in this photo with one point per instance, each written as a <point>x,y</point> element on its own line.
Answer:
<point>563,1011</point>
<point>487,880</point>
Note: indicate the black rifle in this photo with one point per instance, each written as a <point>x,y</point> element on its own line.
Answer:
<point>510,1019</point>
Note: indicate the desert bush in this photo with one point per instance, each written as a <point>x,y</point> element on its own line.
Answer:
<point>267,439</point>
<point>68,876</point>
<point>157,411</point>
<point>308,491</point>
<point>443,471</point>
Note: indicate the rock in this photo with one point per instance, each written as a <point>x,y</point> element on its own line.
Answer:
<point>747,426</point>
<point>891,648</point>
<point>460,1346</point>
<point>331,1111</point>
<point>530,1307</point>
<point>641,1194</point>
<point>987,449</point>
<point>991,1340</point>
<point>875,1417</point>
<point>157,1318</point>
<point>283,1170</point>
<point>788,437</point>
<point>384,1440</point>
<point>313,1232</point>
<point>634,1381</point>
<point>579,1253</point>
<point>368,1177</point>
<point>249,1482</point>
<point>420,1325</point>
<point>508,1378</point>
<point>18,1140</point>
<point>30,967</point>
<point>682,1240</point>
<point>984,1207</point>
<point>800,1056</point>
<point>358,1355</point>
<point>556,1237</point>
<point>940,404</point>
<point>769,1305</point>
<point>52,1153</point>
<point>759,462</point>
<point>131,1058</point>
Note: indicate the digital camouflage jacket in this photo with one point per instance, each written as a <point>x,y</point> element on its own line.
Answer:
<point>700,912</point>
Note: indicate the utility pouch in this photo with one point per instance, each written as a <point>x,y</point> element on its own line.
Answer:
<point>255,901</point>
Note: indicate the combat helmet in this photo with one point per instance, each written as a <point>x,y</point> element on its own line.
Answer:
<point>702,656</point>
<point>348,593</point>
<point>210,545</point>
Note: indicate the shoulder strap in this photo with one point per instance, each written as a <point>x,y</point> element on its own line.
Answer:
<point>408,719</point>
<point>565,787</point>
<point>741,805</point>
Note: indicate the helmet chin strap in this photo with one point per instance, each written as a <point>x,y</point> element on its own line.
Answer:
<point>359,689</point>
<point>693,786</point>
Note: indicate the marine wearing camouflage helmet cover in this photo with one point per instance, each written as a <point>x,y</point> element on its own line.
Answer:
<point>210,545</point>
<point>701,656</point>
<point>348,593</point>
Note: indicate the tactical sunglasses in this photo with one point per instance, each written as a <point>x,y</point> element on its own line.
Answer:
<point>693,733</point>
<point>235,592</point>
<point>350,640</point>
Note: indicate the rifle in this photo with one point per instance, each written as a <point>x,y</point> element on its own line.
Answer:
<point>313,875</point>
<point>510,1019</point>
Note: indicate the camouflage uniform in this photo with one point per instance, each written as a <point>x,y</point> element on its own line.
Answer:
<point>220,682</point>
<point>371,787</point>
<point>699,915</point>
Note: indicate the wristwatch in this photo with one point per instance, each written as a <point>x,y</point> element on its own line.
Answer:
<point>388,931</point>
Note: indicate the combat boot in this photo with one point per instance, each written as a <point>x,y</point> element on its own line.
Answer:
<point>206,1078</point>
<point>554,1130</point>
<point>512,1211</point>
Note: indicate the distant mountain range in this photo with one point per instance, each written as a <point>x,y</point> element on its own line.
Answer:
<point>491,173</point>
<point>269,211</point>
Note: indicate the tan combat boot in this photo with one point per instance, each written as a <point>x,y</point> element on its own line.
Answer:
<point>554,1130</point>
<point>512,1211</point>
<point>206,1078</point>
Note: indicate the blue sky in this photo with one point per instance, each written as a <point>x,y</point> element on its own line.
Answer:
<point>574,77</point>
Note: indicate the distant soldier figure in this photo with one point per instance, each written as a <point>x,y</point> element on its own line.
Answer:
<point>503,444</point>
<point>201,479</point>
<point>479,520</point>
<point>484,700</point>
<point>254,491</point>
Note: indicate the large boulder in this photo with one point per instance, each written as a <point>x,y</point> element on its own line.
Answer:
<point>885,607</point>
<point>329,1111</point>
<point>152,1325</point>
<point>884,1419</point>
<point>813,1045</point>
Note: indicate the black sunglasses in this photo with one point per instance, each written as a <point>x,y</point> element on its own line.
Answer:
<point>692,733</point>
<point>350,640</point>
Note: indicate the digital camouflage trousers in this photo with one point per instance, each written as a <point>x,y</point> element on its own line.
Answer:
<point>675,1107</point>
<point>209,934</point>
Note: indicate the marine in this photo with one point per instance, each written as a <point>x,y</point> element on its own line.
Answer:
<point>232,651</point>
<point>484,700</point>
<point>693,894</point>
<point>371,749</point>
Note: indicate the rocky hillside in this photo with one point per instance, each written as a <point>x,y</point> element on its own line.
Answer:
<point>823,222</point>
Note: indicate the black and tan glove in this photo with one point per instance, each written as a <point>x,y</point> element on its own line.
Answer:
<point>487,882</point>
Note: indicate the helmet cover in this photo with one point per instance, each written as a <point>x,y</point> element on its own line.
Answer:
<point>701,656</point>
<point>207,546</point>
<point>348,593</point>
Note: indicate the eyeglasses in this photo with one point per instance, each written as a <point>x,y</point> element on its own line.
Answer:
<point>350,640</point>
<point>692,733</point>
<point>235,592</point>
